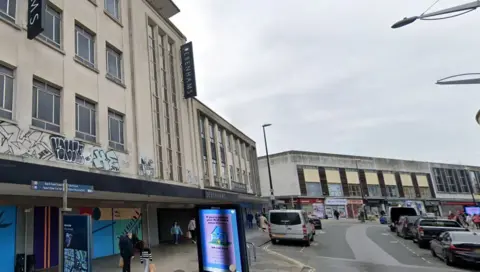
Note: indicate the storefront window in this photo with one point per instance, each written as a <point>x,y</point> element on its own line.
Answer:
<point>425,192</point>
<point>409,191</point>
<point>374,190</point>
<point>354,190</point>
<point>314,189</point>
<point>392,191</point>
<point>335,189</point>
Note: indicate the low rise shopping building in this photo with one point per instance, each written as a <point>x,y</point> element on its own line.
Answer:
<point>322,183</point>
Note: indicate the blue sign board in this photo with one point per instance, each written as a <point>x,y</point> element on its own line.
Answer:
<point>58,187</point>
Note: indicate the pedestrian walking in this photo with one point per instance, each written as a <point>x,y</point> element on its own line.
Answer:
<point>126,251</point>
<point>263,222</point>
<point>336,214</point>
<point>146,258</point>
<point>176,231</point>
<point>192,226</point>
<point>476,221</point>
<point>250,220</point>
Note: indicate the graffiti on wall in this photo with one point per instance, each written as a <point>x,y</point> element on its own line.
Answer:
<point>146,167</point>
<point>43,146</point>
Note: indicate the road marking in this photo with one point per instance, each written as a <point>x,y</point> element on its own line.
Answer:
<point>394,242</point>
<point>303,248</point>
<point>411,250</point>
<point>314,244</point>
<point>321,232</point>
<point>385,233</point>
<point>296,262</point>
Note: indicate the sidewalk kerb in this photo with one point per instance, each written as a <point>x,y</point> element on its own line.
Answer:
<point>299,264</point>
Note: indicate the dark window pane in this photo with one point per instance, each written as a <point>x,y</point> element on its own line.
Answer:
<point>45,106</point>
<point>92,50</point>
<point>48,31</point>
<point>114,129</point>
<point>6,114</point>
<point>83,46</point>
<point>121,132</point>
<point>84,119</point>
<point>93,124</point>
<point>52,127</point>
<point>2,83</point>
<point>38,123</point>
<point>57,109</point>
<point>34,102</point>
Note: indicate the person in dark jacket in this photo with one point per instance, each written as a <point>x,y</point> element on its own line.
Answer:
<point>126,251</point>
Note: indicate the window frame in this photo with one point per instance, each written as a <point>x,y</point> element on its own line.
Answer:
<point>110,49</point>
<point>5,14</point>
<point>46,88</point>
<point>92,107</point>
<point>49,8</point>
<point>118,146</point>
<point>7,73</point>
<point>92,37</point>
<point>118,9</point>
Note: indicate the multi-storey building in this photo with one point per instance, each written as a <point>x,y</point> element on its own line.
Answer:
<point>323,183</point>
<point>226,158</point>
<point>97,99</point>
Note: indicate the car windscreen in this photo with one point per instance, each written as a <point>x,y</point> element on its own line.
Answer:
<point>285,218</point>
<point>439,223</point>
<point>465,237</point>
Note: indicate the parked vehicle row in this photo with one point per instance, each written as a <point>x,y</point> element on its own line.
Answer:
<point>446,239</point>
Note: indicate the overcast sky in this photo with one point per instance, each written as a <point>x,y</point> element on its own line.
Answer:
<point>332,76</point>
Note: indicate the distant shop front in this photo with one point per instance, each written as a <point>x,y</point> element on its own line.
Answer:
<point>336,204</point>
<point>354,206</point>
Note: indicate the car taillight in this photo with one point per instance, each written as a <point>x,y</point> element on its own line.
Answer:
<point>420,230</point>
<point>454,248</point>
<point>304,230</point>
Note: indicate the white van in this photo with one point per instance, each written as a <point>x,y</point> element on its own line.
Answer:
<point>290,225</point>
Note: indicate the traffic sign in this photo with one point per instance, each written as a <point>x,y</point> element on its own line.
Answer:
<point>58,187</point>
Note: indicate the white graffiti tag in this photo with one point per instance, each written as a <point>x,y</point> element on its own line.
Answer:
<point>105,160</point>
<point>31,143</point>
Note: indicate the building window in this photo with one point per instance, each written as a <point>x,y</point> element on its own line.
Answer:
<point>224,172</point>
<point>179,167</point>
<point>85,45</point>
<point>8,9</point>
<point>335,189</point>
<point>239,175</point>
<point>234,146</point>
<point>6,92</point>
<point>116,131</point>
<point>214,167</point>
<point>232,173</point>
<point>409,192</point>
<point>439,181</point>
<point>392,191</point>
<point>220,145</point>
<point>314,189</point>
<point>425,192</point>
<point>354,190</point>
<point>114,63</point>
<point>85,121</point>
<point>113,8</point>
<point>45,106</point>
<point>463,180</point>
<point>205,166</point>
<point>374,190</point>
<point>170,163</point>
<point>229,143</point>
<point>53,27</point>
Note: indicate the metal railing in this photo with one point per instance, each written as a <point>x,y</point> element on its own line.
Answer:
<point>251,250</point>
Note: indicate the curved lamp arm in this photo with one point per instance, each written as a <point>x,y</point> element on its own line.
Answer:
<point>446,81</point>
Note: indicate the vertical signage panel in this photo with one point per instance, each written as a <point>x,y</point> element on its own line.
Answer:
<point>77,246</point>
<point>35,18</point>
<point>188,70</point>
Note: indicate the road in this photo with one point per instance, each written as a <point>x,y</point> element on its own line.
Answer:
<point>349,246</point>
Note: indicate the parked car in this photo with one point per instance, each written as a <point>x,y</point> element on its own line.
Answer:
<point>290,225</point>
<point>404,224</point>
<point>426,229</point>
<point>396,212</point>
<point>315,220</point>
<point>456,247</point>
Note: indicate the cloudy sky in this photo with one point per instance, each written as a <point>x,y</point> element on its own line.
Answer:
<point>332,76</point>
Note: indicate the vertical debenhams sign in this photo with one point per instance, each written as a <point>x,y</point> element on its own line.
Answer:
<point>36,18</point>
<point>188,69</point>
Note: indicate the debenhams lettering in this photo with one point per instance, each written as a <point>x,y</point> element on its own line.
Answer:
<point>36,18</point>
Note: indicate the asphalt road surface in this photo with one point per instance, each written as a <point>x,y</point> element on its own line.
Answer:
<point>349,246</point>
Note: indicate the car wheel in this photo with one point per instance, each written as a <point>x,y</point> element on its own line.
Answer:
<point>274,242</point>
<point>421,244</point>
<point>433,252</point>
<point>447,258</point>
<point>307,243</point>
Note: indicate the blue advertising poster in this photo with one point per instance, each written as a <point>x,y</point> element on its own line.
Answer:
<point>220,242</point>
<point>77,252</point>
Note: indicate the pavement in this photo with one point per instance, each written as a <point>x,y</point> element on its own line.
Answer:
<point>351,246</point>
<point>183,258</point>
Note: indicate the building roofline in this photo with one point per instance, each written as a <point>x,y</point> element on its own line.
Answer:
<point>299,152</point>
<point>236,130</point>
<point>167,20</point>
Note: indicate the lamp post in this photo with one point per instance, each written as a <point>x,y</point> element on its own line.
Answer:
<point>470,187</point>
<point>272,195</point>
<point>364,196</point>
<point>459,10</point>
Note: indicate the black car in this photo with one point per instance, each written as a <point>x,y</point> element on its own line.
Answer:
<point>315,221</point>
<point>404,224</point>
<point>426,229</point>
<point>457,247</point>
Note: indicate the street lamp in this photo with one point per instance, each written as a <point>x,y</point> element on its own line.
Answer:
<point>364,196</point>
<point>459,10</point>
<point>272,195</point>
